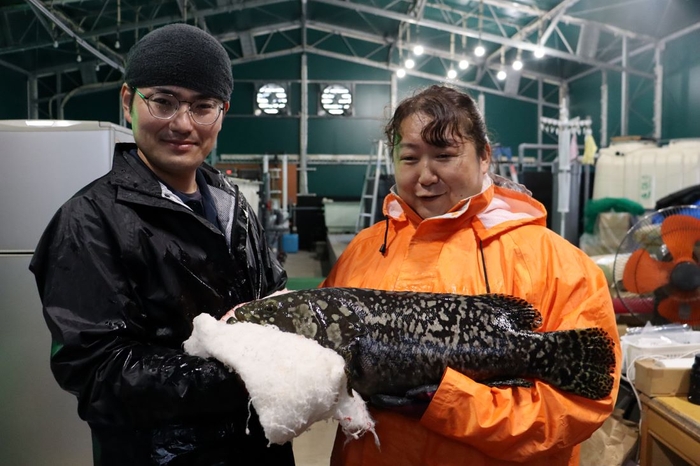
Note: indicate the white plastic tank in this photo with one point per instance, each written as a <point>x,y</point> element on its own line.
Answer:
<point>610,167</point>
<point>653,173</point>
<point>683,166</point>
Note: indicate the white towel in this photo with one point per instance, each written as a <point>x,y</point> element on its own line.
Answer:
<point>293,381</point>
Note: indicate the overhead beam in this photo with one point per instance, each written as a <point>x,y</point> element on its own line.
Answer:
<point>40,6</point>
<point>420,74</point>
<point>561,9</point>
<point>14,68</point>
<point>461,31</point>
<point>642,49</point>
<point>367,37</point>
<point>145,24</point>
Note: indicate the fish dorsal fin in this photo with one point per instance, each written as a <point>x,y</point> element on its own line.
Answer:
<point>521,314</point>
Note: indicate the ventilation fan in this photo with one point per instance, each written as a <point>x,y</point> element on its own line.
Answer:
<point>656,272</point>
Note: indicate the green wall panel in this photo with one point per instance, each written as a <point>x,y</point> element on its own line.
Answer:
<point>258,135</point>
<point>681,104</point>
<point>343,135</point>
<point>510,122</point>
<point>337,181</point>
<point>101,106</point>
<point>13,105</point>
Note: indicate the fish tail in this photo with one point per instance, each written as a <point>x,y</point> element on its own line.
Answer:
<point>580,361</point>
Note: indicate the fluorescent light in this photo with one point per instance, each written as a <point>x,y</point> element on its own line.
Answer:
<point>51,123</point>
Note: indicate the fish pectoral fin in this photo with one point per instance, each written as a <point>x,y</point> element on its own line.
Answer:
<point>348,377</point>
<point>513,382</point>
<point>390,401</point>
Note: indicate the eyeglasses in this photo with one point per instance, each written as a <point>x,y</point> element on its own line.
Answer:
<point>165,106</point>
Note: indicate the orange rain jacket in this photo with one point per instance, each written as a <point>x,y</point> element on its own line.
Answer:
<point>468,423</point>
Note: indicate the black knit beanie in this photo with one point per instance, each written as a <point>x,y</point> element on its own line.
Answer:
<point>180,55</point>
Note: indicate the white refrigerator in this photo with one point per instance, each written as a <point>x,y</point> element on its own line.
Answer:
<point>42,164</point>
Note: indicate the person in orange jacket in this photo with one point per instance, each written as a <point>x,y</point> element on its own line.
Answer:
<point>450,229</point>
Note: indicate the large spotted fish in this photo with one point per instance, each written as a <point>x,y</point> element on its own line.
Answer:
<point>393,341</point>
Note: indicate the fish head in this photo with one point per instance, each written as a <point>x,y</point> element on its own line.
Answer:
<point>314,314</point>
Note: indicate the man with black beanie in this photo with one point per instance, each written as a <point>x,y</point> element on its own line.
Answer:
<point>131,259</point>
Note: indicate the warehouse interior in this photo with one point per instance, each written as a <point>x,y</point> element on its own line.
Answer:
<point>593,105</point>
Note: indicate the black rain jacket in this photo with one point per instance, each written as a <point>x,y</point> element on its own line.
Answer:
<point>122,269</point>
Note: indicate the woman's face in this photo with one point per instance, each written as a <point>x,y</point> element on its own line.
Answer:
<point>433,179</point>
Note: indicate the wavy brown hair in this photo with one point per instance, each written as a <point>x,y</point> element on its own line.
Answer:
<point>454,117</point>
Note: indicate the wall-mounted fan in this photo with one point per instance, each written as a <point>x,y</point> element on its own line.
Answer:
<point>656,271</point>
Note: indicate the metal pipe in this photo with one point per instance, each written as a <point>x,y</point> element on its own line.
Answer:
<point>623,91</point>
<point>658,90</point>
<point>285,183</point>
<point>526,145</point>
<point>604,109</point>
<point>303,129</point>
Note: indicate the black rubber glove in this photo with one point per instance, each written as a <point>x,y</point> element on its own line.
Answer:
<point>412,404</point>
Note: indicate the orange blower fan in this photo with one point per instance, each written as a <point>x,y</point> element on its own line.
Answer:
<point>660,263</point>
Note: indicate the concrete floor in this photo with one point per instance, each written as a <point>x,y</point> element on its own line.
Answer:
<point>313,447</point>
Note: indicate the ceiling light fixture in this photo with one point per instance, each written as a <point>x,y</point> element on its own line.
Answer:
<point>539,50</point>
<point>480,51</point>
<point>501,75</point>
<point>400,72</point>
<point>463,64</point>
<point>451,73</point>
<point>418,50</point>
<point>410,64</point>
<point>518,63</point>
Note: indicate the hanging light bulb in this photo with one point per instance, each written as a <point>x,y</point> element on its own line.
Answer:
<point>97,67</point>
<point>539,52</point>
<point>55,44</point>
<point>117,44</point>
<point>479,51</point>
<point>518,62</point>
<point>463,64</point>
<point>400,72</point>
<point>451,73</point>
<point>409,64</point>
<point>418,50</point>
<point>501,75</point>
<point>79,58</point>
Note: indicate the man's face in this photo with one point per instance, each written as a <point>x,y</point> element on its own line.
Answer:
<point>433,179</point>
<point>172,148</point>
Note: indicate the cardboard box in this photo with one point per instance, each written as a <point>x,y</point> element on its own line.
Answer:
<point>653,379</point>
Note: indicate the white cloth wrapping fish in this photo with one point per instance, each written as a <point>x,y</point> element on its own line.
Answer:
<point>293,381</point>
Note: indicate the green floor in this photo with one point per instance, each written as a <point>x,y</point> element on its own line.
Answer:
<point>303,283</point>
